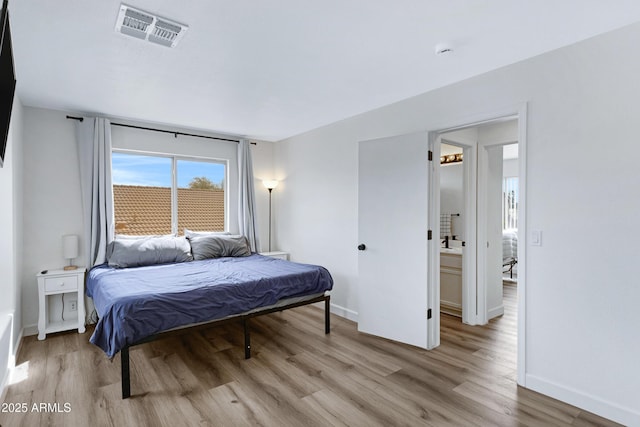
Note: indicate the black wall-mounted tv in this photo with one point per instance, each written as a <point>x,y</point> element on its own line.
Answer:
<point>7,80</point>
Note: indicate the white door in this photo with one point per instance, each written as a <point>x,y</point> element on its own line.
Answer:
<point>392,231</point>
<point>489,233</point>
<point>469,258</point>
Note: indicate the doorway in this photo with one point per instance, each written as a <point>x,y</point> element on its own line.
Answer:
<point>484,161</point>
<point>398,213</point>
<point>451,231</point>
<point>457,205</point>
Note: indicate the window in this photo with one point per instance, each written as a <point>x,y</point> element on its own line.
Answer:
<point>166,194</point>
<point>510,202</point>
<point>200,195</point>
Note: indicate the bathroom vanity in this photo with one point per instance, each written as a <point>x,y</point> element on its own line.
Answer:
<point>451,281</point>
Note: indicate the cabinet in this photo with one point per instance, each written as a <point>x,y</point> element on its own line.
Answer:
<point>63,283</point>
<point>277,254</point>
<point>451,283</point>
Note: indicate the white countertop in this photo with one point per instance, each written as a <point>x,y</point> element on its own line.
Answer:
<point>452,251</point>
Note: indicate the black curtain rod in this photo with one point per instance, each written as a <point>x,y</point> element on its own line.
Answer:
<point>175,134</point>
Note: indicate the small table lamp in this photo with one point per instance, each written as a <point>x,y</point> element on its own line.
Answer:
<point>70,249</point>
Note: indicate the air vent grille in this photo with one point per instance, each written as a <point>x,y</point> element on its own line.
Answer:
<point>146,26</point>
<point>164,32</point>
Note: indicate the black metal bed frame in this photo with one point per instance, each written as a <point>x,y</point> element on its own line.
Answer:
<point>509,263</point>
<point>244,318</point>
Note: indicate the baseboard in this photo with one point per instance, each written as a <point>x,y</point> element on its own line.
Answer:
<point>495,312</point>
<point>8,344</point>
<point>344,312</point>
<point>30,330</point>
<point>603,408</point>
<point>11,365</point>
<point>451,308</point>
<point>18,346</point>
<point>3,385</point>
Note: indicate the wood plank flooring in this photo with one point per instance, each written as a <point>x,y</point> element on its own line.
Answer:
<point>296,376</point>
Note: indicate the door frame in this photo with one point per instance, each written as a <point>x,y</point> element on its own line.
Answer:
<point>433,287</point>
<point>470,303</point>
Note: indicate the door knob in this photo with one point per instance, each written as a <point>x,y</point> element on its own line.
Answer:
<point>361,247</point>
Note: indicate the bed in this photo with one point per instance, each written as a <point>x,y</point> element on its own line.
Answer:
<point>143,303</point>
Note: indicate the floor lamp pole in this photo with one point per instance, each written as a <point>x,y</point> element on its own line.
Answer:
<point>270,185</point>
<point>270,190</point>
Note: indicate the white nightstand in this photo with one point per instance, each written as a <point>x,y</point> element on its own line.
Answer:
<point>277,254</point>
<point>56,282</point>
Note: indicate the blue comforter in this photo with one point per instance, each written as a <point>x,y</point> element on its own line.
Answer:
<point>134,303</point>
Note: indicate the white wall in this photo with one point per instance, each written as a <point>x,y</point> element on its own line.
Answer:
<point>580,297</point>
<point>262,156</point>
<point>7,273</point>
<point>11,243</point>
<point>52,200</point>
<point>452,196</point>
<point>493,215</point>
<point>17,137</point>
<point>490,138</point>
<point>316,206</point>
<point>510,168</point>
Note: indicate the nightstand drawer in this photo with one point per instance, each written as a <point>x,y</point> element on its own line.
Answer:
<point>65,283</point>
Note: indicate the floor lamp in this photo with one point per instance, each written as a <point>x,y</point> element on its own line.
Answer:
<point>270,185</point>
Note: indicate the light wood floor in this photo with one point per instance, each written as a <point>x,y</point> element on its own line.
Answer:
<point>297,376</point>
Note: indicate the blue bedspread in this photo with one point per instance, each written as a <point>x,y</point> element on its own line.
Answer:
<point>134,303</point>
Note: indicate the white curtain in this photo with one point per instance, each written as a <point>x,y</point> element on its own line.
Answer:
<point>93,136</point>
<point>246,196</point>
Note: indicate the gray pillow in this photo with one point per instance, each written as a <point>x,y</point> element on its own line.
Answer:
<point>215,246</point>
<point>149,251</point>
<point>131,237</point>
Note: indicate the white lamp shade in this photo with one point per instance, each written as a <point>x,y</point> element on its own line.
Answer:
<point>270,183</point>
<point>70,246</point>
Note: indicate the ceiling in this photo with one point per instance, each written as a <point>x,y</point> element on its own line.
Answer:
<point>249,68</point>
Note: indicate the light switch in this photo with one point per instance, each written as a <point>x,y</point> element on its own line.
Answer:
<point>536,238</point>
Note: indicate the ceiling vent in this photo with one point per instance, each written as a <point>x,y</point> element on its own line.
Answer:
<point>146,26</point>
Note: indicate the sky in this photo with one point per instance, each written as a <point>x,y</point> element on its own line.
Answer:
<point>135,169</point>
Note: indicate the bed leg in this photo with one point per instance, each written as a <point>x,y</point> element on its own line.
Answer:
<point>126,381</point>
<point>247,340</point>
<point>327,315</point>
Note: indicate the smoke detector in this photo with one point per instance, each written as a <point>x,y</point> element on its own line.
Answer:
<point>443,49</point>
<point>146,26</point>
